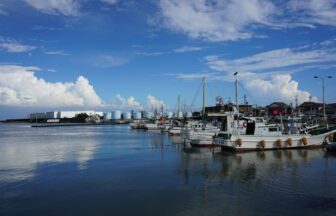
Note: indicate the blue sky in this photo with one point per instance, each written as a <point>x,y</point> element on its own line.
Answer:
<point>115,54</point>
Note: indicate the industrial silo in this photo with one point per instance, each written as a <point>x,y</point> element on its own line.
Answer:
<point>116,115</point>
<point>127,115</point>
<point>107,116</point>
<point>137,115</point>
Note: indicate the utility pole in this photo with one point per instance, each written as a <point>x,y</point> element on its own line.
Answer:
<point>323,78</point>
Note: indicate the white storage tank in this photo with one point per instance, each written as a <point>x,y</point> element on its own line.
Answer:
<point>180,114</point>
<point>127,115</point>
<point>137,115</point>
<point>107,116</point>
<point>148,115</point>
<point>170,115</point>
<point>116,115</point>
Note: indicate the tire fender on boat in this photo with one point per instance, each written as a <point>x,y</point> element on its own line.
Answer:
<point>279,143</point>
<point>239,142</point>
<point>331,137</point>
<point>289,142</point>
<point>262,144</point>
<point>304,141</point>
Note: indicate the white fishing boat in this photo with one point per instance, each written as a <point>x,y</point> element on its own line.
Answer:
<point>152,126</point>
<point>137,125</point>
<point>180,129</point>
<point>175,130</point>
<point>201,136</point>
<point>164,127</point>
<point>262,136</point>
<point>204,137</point>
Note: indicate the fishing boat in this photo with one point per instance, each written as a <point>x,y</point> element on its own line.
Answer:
<point>201,135</point>
<point>180,128</point>
<point>262,136</point>
<point>138,125</point>
<point>205,136</point>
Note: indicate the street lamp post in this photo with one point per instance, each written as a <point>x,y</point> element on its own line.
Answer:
<point>237,103</point>
<point>323,78</point>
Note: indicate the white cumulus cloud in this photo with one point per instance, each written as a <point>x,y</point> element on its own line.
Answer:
<point>153,102</point>
<point>19,86</point>
<point>128,103</point>
<point>279,87</point>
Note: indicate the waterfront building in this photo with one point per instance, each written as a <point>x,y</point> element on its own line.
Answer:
<point>279,108</point>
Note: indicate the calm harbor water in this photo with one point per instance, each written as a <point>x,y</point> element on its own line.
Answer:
<point>112,170</point>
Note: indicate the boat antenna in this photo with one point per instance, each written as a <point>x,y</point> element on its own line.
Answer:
<point>237,105</point>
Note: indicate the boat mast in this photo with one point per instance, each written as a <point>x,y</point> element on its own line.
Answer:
<point>178,106</point>
<point>204,94</point>
<point>237,105</point>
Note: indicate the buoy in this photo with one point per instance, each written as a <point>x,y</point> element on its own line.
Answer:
<point>304,141</point>
<point>289,142</point>
<point>262,143</point>
<point>331,137</point>
<point>239,142</point>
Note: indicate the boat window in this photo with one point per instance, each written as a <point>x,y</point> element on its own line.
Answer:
<point>273,129</point>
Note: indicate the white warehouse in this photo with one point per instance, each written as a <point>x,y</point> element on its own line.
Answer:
<point>61,114</point>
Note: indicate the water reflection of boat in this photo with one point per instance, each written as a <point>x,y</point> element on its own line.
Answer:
<point>200,152</point>
<point>176,139</point>
<point>249,165</point>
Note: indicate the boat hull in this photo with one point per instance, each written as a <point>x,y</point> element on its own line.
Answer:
<point>259,143</point>
<point>174,131</point>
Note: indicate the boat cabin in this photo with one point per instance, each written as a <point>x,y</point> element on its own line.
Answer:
<point>252,125</point>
